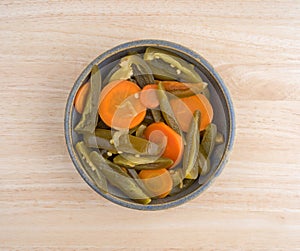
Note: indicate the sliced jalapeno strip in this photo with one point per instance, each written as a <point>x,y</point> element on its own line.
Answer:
<point>168,66</point>
<point>130,144</point>
<point>126,184</point>
<point>156,114</point>
<point>177,176</point>
<point>209,139</point>
<point>142,75</point>
<point>141,162</point>
<point>206,148</point>
<point>96,176</point>
<point>89,118</point>
<point>167,111</point>
<point>203,162</point>
<point>191,149</point>
<point>100,142</point>
<point>133,66</point>
<point>140,130</point>
<point>133,173</point>
<point>118,141</point>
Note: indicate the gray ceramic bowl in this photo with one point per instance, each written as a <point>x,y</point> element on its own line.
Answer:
<point>220,99</point>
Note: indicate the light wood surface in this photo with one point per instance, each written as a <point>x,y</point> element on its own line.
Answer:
<point>253,205</point>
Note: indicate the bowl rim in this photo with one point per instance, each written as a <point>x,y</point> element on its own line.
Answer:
<point>164,45</point>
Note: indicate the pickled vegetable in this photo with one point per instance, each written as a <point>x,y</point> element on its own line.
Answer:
<point>164,135</point>
<point>133,66</point>
<point>161,142</point>
<point>142,75</point>
<point>167,111</point>
<point>92,140</point>
<point>191,150</point>
<point>142,162</point>
<point>177,176</point>
<point>156,114</point>
<point>203,162</point>
<point>118,107</point>
<point>135,145</point>
<point>89,118</point>
<point>125,183</point>
<point>133,173</point>
<point>158,182</point>
<point>209,139</point>
<point>96,176</point>
<point>168,66</point>
<point>140,130</point>
<point>121,141</point>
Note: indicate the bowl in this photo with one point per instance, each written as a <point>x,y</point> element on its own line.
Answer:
<point>220,100</point>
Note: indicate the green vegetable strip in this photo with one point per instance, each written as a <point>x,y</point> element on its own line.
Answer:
<point>170,66</point>
<point>206,148</point>
<point>99,142</point>
<point>177,176</point>
<point>133,173</point>
<point>122,142</point>
<point>156,114</point>
<point>191,149</point>
<point>88,121</point>
<point>209,139</point>
<point>126,184</point>
<point>142,77</point>
<point>203,162</point>
<point>133,66</point>
<point>141,163</point>
<point>90,168</point>
<point>167,111</point>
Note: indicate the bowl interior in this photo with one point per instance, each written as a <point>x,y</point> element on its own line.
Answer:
<point>223,118</point>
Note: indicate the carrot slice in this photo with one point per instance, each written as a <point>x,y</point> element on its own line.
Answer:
<point>184,109</point>
<point>159,132</point>
<point>80,97</point>
<point>158,182</point>
<point>149,97</point>
<point>120,107</point>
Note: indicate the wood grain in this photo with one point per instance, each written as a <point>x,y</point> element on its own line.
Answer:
<point>253,205</point>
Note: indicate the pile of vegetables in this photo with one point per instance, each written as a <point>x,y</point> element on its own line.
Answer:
<point>147,128</point>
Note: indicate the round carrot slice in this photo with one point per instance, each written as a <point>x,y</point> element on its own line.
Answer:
<point>119,106</point>
<point>159,132</point>
<point>184,109</point>
<point>80,97</point>
<point>158,182</point>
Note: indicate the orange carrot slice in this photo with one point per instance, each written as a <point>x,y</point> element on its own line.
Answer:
<point>159,132</point>
<point>184,109</point>
<point>120,107</point>
<point>80,97</point>
<point>158,182</point>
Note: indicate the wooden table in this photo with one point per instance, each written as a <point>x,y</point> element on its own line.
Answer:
<point>253,205</point>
